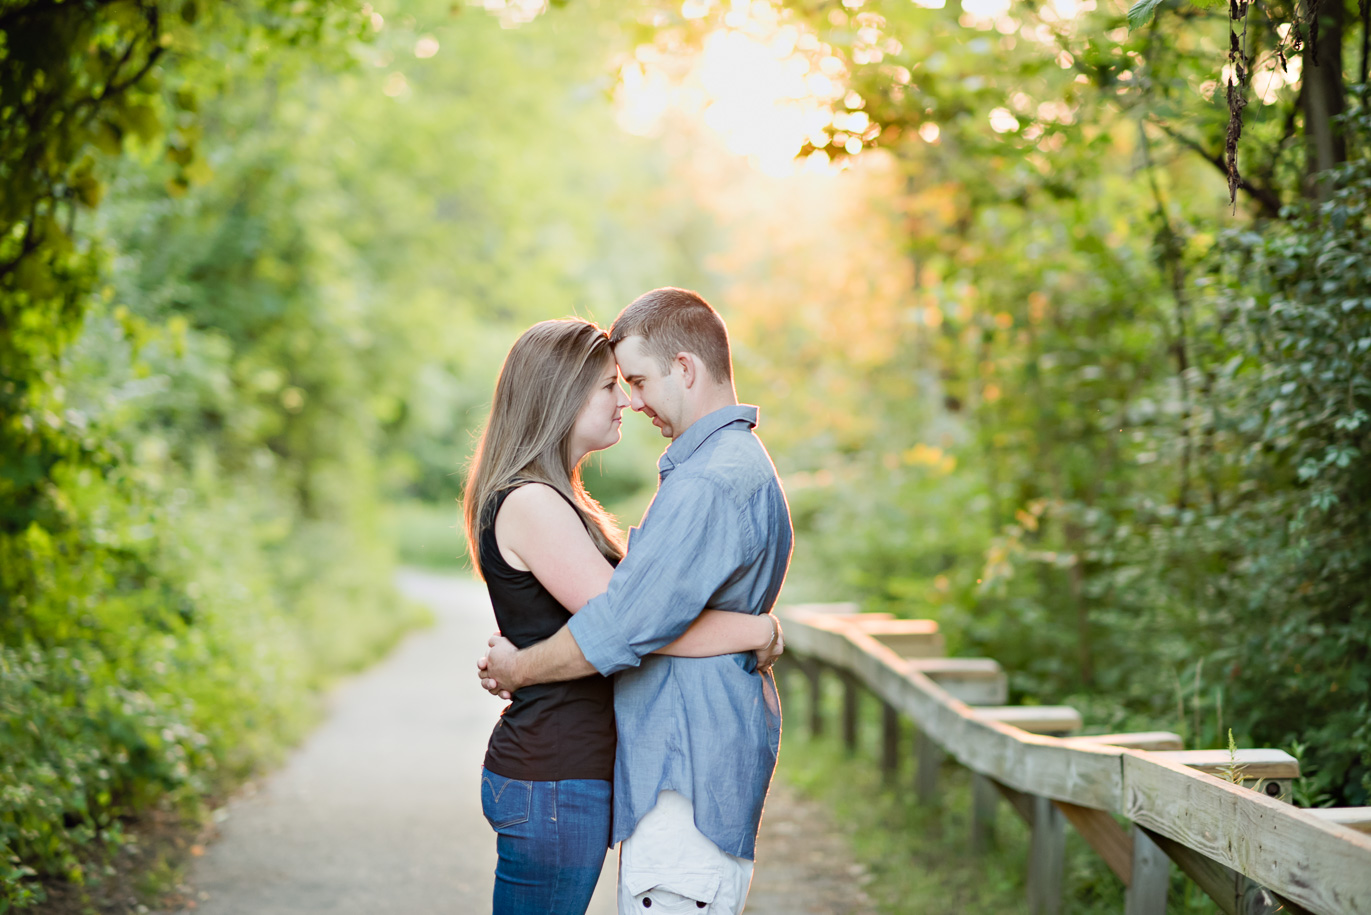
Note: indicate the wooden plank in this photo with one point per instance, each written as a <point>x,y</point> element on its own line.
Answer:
<point>1037,719</point>
<point>914,646</point>
<point>795,611</point>
<point>1253,764</point>
<point>907,638</point>
<point>1104,835</point>
<point>1270,771</point>
<point>840,622</point>
<point>1082,774</point>
<point>874,624</point>
<point>1358,818</point>
<point>939,668</point>
<point>1318,865</point>
<point>1150,871</point>
<point>975,681</point>
<point>1234,893</point>
<point>1142,740</point>
<point>1046,858</point>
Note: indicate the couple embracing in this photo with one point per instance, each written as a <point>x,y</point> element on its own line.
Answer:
<point>643,708</point>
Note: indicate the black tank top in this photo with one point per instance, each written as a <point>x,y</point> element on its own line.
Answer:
<point>550,731</point>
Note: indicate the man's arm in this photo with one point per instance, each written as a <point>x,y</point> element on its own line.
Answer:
<point>508,669</point>
<point>713,633</point>
<point>692,541</point>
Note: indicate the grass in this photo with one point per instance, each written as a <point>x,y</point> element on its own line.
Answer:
<point>920,858</point>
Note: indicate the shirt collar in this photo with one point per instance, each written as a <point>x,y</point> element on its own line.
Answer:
<point>679,451</point>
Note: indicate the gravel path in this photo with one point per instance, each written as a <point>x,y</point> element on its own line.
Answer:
<point>379,811</point>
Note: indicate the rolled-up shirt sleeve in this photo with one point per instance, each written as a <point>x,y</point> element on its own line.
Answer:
<point>693,538</point>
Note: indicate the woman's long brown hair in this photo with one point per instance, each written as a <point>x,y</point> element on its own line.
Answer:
<point>546,379</point>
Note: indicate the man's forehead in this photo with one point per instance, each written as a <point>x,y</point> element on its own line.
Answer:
<point>629,353</point>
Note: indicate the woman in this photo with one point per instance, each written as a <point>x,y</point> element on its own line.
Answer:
<point>544,547</point>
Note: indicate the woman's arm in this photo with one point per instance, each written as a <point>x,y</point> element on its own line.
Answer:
<point>724,632</point>
<point>538,532</point>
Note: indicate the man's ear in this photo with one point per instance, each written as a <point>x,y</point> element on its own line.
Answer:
<point>690,368</point>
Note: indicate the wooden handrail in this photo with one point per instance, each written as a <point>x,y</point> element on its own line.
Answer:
<point>1217,831</point>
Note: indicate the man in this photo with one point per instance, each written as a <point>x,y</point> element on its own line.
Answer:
<point>698,737</point>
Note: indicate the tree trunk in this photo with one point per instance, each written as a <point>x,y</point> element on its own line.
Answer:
<point>1324,93</point>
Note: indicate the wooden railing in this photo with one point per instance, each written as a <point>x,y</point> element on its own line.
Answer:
<point>1237,836</point>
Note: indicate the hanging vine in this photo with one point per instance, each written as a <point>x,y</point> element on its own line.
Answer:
<point>1239,64</point>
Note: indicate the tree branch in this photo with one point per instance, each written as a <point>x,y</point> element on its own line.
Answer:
<point>1267,199</point>
<point>48,7</point>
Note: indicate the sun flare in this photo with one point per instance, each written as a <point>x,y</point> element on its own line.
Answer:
<point>754,81</point>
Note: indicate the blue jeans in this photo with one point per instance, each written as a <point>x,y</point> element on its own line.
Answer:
<point>551,837</point>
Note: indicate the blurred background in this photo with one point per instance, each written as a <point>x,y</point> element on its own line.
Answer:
<point>1058,315</point>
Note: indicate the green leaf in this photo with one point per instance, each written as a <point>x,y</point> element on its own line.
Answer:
<point>1140,13</point>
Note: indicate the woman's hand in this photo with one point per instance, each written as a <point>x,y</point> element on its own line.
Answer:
<point>768,655</point>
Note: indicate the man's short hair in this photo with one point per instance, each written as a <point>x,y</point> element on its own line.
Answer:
<point>672,321</point>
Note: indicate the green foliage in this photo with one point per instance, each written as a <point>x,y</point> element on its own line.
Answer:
<point>1300,324</point>
<point>259,264</point>
<point>293,297</point>
<point>1153,410</point>
<point>184,563</point>
<point>1141,13</point>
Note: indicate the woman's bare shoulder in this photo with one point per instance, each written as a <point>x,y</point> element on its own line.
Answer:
<point>536,501</point>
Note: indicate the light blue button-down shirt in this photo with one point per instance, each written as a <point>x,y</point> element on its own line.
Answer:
<point>717,534</point>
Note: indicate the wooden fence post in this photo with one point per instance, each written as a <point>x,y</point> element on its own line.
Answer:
<point>1046,858</point>
<point>890,743</point>
<point>1151,876</point>
<point>851,695</point>
<point>983,798</point>
<point>928,759</point>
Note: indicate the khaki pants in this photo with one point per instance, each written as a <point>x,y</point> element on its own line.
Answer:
<point>667,866</point>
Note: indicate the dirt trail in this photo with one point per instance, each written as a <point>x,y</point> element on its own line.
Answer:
<point>379,811</point>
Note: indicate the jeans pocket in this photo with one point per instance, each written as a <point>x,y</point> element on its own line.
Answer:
<point>505,801</point>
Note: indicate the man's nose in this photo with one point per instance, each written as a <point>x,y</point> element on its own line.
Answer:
<point>636,402</point>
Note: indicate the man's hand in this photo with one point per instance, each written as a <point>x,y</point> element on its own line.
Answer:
<point>768,656</point>
<point>498,668</point>
<point>503,651</point>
